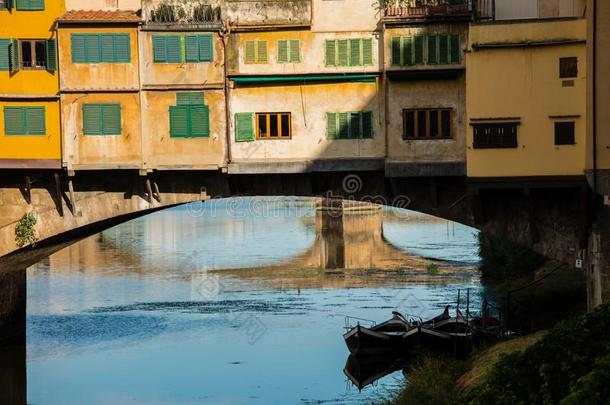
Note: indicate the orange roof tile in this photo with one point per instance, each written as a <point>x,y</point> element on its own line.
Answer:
<point>99,16</point>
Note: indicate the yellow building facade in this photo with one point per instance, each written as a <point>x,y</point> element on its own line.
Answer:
<point>526,98</point>
<point>30,128</point>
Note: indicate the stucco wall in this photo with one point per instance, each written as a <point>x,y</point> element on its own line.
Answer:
<point>177,74</point>
<point>101,151</point>
<point>345,15</point>
<point>267,12</point>
<point>103,4</point>
<point>308,106</point>
<point>524,83</point>
<point>161,151</point>
<point>97,76</point>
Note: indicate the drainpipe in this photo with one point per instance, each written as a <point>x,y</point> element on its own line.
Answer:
<point>594,95</point>
<point>225,34</point>
<point>385,91</point>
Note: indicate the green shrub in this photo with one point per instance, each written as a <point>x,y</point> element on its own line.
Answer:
<point>503,260</point>
<point>25,232</point>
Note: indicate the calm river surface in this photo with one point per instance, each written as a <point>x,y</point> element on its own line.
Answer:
<point>151,312</point>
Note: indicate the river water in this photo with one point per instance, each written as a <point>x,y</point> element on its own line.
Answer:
<point>207,304</point>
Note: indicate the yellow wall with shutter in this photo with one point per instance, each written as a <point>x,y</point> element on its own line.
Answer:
<point>31,151</point>
<point>523,82</point>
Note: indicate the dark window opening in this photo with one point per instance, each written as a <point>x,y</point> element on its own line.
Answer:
<point>568,67</point>
<point>427,124</point>
<point>33,54</point>
<point>500,135</point>
<point>2,4</point>
<point>273,125</point>
<point>564,133</point>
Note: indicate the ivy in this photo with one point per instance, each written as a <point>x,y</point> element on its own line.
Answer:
<point>25,232</point>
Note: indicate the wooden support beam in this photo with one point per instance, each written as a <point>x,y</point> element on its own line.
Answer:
<point>71,193</point>
<point>28,189</point>
<point>433,192</point>
<point>60,202</point>
<point>149,190</point>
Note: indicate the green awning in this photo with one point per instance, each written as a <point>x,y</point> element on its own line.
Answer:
<point>362,78</point>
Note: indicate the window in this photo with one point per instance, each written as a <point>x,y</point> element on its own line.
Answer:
<point>100,48</point>
<point>33,54</point>
<point>564,133</point>
<point>428,49</point>
<point>496,135</point>
<point>167,49</point>
<point>28,54</point>
<point>255,52</point>
<point>199,48</point>
<point>244,130</point>
<point>349,52</point>
<point>568,67</point>
<point>29,5</point>
<point>349,125</point>
<point>24,121</point>
<point>273,126</point>
<point>102,119</point>
<point>288,51</point>
<point>189,118</point>
<point>427,124</point>
<point>3,5</point>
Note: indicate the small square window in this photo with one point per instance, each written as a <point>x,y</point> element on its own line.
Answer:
<point>568,67</point>
<point>564,133</point>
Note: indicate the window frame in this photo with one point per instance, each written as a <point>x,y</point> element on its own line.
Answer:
<point>427,112</point>
<point>256,43</point>
<point>556,129</point>
<point>23,111</point>
<point>99,43</point>
<point>337,51</point>
<point>3,5</point>
<point>32,53</point>
<point>257,132</point>
<point>102,129</point>
<point>568,67</point>
<point>497,145</point>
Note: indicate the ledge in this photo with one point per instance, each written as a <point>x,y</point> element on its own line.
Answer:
<point>306,166</point>
<point>424,169</point>
<point>30,163</point>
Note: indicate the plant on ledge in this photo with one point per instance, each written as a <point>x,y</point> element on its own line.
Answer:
<point>25,232</point>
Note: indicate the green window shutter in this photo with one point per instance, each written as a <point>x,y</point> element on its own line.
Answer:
<point>122,48</point>
<point>178,121</point>
<point>199,120</point>
<point>456,51</point>
<point>295,51</point>
<point>13,53</point>
<point>191,44</point>
<point>367,51</point>
<point>4,54</point>
<point>396,51</point>
<point>14,121</point>
<point>343,130</point>
<point>92,119</point>
<point>77,44</point>
<point>107,53</point>
<point>355,128</point>
<point>30,5</point>
<point>51,49</point>
<point>159,43</point>
<point>250,52</point>
<point>443,49</point>
<point>92,48</point>
<point>432,49</point>
<point>330,53</point>
<point>206,48</point>
<point>190,98</point>
<point>282,51</point>
<point>419,50</point>
<point>244,129</point>
<point>261,56</point>
<point>367,124</point>
<point>174,48</point>
<point>35,120</point>
<point>408,50</point>
<point>354,52</point>
<point>10,4</point>
<point>331,126</point>
<point>342,52</point>
<point>111,119</point>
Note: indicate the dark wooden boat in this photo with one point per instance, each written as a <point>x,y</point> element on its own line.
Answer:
<point>382,338</point>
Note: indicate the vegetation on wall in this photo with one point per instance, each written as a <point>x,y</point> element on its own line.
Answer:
<point>25,232</point>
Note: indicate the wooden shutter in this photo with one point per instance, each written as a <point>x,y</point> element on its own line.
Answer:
<point>30,5</point>
<point>261,48</point>
<point>206,48</point>
<point>395,51</point>
<point>407,51</point>
<point>295,51</point>
<point>250,52</point>
<point>122,48</point>
<point>92,48</point>
<point>244,130</point>
<point>342,52</point>
<point>92,119</point>
<point>77,45</point>
<point>432,49</point>
<point>4,54</point>
<point>107,53</point>
<point>191,45</point>
<point>199,121</point>
<point>331,126</point>
<point>190,98</point>
<point>35,120</point>
<point>178,121</point>
<point>355,127</point>
<point>14,121</point>
<point>330,53</point>
<point>282,51</point>
<point>51,49</point>
<point>419,50</point>
<point>14,55</point>
<point>174,48</point>
<point>354,52</point>
<point>343,132</point>
<point>367,124</point>
<point>159,43</point>
<point>456,50</point>
<point>367,51</point>
<point>443,49</point>
<point>111,119</point>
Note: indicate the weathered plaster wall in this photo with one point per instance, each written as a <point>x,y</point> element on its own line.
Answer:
<point>345,15</point>
<point>161,151</point>
<point>101,151</point>
<point>521,9</point>
<point>180,74</point>
<point>267,12</point>
<point>97,76</point>
<point>308,105</point>
<point>103,4</point>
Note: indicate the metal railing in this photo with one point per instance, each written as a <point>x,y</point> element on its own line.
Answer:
<point>176,12</point>
<point>427,8</point>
